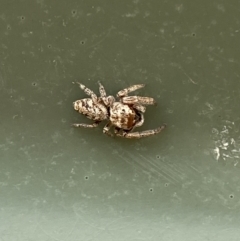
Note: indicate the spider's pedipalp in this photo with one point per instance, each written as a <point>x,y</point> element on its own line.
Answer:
<point>126,91</point>
<point>106,129</point>
<point>140,122</point>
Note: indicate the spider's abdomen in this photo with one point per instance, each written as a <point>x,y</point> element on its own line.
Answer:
<point>122,116</point>
<point>93,111</point>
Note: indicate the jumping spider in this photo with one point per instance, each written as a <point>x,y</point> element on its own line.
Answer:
<point>125,114</point>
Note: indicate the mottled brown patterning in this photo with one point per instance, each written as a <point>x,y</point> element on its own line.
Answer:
<point>124,115</point>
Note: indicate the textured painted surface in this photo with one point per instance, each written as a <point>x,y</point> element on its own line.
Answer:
<point>61,183</point>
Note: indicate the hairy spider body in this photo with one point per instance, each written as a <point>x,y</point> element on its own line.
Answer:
<point>124,115</point>
<point>125,118</point>
<point>94,111</point>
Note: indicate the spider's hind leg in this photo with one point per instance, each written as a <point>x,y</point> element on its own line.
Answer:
<point>102,90</point>
<point>88,92</point>
<point>107,100</point>
<point>137,135</point>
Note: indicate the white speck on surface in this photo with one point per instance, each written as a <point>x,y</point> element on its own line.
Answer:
<point>226,147</point>
<point>217,152</point>
<point>232,141</point>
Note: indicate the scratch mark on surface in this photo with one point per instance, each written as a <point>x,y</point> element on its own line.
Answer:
<point>101,40</point>
<point>154,168</point>
<point>2,80</point>
<point>191,80</point>
<point>74,226</point>
<point>228,60</point>
<point>48,235</point>
<point>195,169</point>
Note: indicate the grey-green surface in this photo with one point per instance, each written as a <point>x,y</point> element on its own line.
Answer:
<point>61,183</point>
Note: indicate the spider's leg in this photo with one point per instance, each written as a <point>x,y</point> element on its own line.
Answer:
<point>86,125</point>
<point>140,122</point>
<point>131,100</point>
<point>102,90</point>
<point>106,129</point>
<point>137,135</point>
<point>140,108</point>
<point>117,130</point>
<point>88,92</point>
<point>126,91</point>
<point>107,100</point>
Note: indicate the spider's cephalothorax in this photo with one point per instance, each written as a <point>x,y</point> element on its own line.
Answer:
<point>124,115</point>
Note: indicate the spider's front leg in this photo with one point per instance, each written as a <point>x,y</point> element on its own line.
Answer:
<point>126,91</point>
<point>137,135</point>
<point>131,100</point>
<point>95,124</point>
<point>140,108</point>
